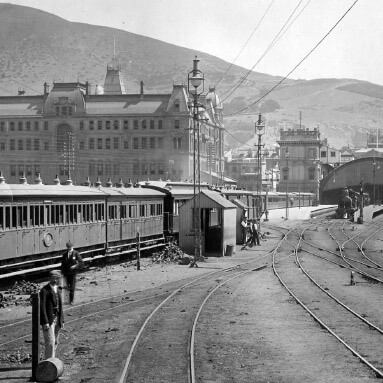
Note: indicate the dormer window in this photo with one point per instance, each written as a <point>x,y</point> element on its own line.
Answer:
<point>177,104</point>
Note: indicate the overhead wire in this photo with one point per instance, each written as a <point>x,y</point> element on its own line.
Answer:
<point>244,46</point>
<point>299,63</point>
<point>280,33</point>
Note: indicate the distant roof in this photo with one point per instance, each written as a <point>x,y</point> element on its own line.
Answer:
<point>22,106</point>
<point>125,107</point>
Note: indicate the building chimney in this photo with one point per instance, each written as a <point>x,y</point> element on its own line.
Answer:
<point>46,90</point>
<point>142,89</point>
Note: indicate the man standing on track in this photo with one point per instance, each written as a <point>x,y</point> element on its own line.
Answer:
<point>51,313</point>
<point>70,264</point>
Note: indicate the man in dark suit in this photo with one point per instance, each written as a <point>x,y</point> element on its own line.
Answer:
<point>70,264</point>
<point>51,313</point>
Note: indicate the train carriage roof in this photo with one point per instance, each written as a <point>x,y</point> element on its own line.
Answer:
<point>40,190</point>
<point>131,192</point>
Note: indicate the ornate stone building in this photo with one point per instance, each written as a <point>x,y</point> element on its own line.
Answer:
<point>107,134</point>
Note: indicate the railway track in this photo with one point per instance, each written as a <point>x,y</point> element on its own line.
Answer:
<point>168,333</point>
<point>361,337</point>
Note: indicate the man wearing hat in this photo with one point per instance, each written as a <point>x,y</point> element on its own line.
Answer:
<point>71,262</point>
<point>51,313</point>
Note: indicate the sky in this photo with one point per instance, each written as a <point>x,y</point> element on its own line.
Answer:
<point>241,31</point>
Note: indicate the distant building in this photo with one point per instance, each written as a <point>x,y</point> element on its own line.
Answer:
<point>107,135</point>
<point>329,155</point>
<point>300,165</point>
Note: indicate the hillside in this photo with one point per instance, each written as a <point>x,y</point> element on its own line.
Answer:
<point>37,46</point>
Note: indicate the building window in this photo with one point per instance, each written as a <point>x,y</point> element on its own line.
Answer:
<point>116,169</point>
<point>176,124</point>
<point>135,143</point>
<point>28,126</point>
<point>151,124</point>
<point>323,154</point>
<point>177,143</point>
<point>70,111</point>
<point>46,145</point>
<point>108,169</point>
<point>143,124</point>
<point>81,145</point>
<point>311,174</point>
<point>152,142</point>
<point>99,125</point>
<point>160,142</point>
<point>115,124</point>
<point>2,126</point>
<point>143,143</point>
<point>21,170</point>
<point>126,144</point>
<point>135,168</point>
<point>81,125</point>
<point>91,125</point>
<point>29,144</point>
<point>2,145</point>
<point>177,104</point>
<point>91,143</point>
<point>36,144</point>
<point>161,169</point>
<point>159,124</point>
<point>36,126</point>
<point>57,111</point>
<point>11,126</point>
<point>46,125</point>
<point>21,145</point>
<point>152,169</point>
<point>333,154</point>
<point>107,143</point>
<point>91,169</point>
<point>99,143</point>
<point>37,170</point>
<point>145,169</point>
<point>64,111</point>
<point>116,143</point>
<point>126,124</point>
<point>20,125</point>
<point>107,125</point>
<point>135,124</point>
<point>29,170</point>
<point>99,169</point>
<point>13,170</point>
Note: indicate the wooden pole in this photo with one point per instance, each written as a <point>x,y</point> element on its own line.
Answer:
<point>35,333</point>
<point>138,249</point>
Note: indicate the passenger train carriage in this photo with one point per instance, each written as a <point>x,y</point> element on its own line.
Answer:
<point>37,220</point>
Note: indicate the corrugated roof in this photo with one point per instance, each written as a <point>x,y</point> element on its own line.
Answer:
<point>218,199</point>
<point>240,203</point>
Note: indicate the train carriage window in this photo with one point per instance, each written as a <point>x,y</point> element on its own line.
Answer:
<point>159,209</point>
<point>47,215</point>
<point>152,209</point>
<point>132,211</point>
<point>8,217</point>
<point>123,212</point>
<point>91,213</point>
<point>142,210</point>
<point>2,222</point>
<point>112,212</point>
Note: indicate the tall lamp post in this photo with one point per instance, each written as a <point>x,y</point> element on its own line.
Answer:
<point>259,130</point>
<point>286,179</point>
<point>373,179</point>
<point>195,80</point>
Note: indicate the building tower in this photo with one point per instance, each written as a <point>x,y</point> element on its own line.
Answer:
<point>114,83</point>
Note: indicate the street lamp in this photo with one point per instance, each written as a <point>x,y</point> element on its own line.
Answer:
<point>259,130</point>
<point>195,80</point>
<point>373,178</point>
<point>286,173</point>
